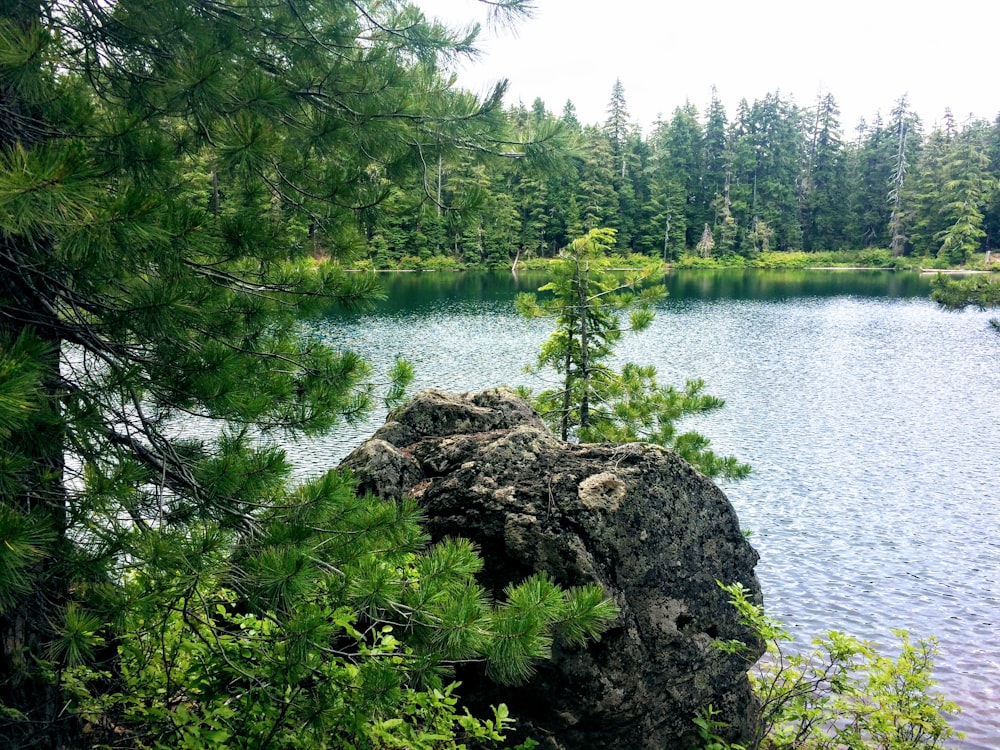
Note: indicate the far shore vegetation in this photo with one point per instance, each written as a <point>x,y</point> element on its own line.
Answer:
<point>866,259</point>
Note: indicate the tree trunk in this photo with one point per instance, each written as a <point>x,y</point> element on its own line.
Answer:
<point>27,627</point>
<point>584,350</point>
<point>36,489</point>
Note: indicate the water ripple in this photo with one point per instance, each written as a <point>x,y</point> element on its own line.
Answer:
<point>873,426</point>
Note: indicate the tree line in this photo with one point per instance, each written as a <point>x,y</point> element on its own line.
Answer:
<point>771,176</point>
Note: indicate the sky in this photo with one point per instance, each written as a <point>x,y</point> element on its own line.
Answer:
<point>867,53</point>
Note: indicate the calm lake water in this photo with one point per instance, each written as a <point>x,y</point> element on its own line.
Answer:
<point>871,418</point>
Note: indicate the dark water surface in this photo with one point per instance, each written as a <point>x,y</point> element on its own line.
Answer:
<point>871,418</point>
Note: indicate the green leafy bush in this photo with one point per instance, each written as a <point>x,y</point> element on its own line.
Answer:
<point>875,257</point>
<point>442,263</point>
<point>722,261</point>
<point>840,695</point>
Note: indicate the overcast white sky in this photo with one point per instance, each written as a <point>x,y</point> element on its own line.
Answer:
<point>867,53</point>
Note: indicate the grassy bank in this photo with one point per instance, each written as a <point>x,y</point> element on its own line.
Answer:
<point>873,258</point>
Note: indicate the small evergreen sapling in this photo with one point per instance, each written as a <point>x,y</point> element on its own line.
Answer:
<point>594,401</point>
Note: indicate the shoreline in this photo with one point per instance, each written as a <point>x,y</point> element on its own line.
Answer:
<point>672,268</point>
<point>953,271</point>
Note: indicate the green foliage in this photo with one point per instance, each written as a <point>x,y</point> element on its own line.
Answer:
<point>711,731</point>
<point>332,624</point>
<point>637,408</point>
<point>730,260</point>
<point>27,537</point>
<point>596,402</point>
<point>842,694</point>
<point>980,291</point>
<point>180,183</point>
<point>775,177</point>
<point>866,258</point>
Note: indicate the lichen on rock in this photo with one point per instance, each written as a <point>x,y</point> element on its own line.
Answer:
<point>636,519</point>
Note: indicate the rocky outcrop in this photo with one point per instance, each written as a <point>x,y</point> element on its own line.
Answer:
<point>637,519</point>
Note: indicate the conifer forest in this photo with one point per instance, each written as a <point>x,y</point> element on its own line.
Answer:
<point>770,176</point>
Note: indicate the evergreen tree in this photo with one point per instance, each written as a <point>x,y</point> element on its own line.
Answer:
<point>617,127</point>
<point>925,201</point>
<point>978,291</point>
<point>706,243</point>
<point>593,402</point>
<point>741,185</point>
<point>776,137</point>
<point>879,186</point>
<point>665,231</point>
<point>598,199</point>
<point>967,190</point>
<point>569,117</point>
<point>952,189</point>
<point>715,151</point>
<point>991,209</point>
<point>870,172</point>
<point>903,132</point>
<point>684,144</point>
<point>166,170</point>
<point>624,142</point>
<point>824,182</point>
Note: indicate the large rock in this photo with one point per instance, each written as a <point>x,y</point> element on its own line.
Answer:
<point>637,519</point>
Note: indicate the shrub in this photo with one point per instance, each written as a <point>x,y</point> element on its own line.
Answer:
<point>723,261</point>
<point>842,694</point>
<point>875,257</point>
<point>441,263</point>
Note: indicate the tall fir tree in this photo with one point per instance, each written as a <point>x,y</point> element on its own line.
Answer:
<point>824,180</point>
<point>684,144</point>
<point>966,191</point>
<point>665,233</point>
<point>903,129</point>
<point>715,170</point>
<point>925,202</point>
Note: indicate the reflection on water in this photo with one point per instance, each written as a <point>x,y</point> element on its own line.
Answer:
<point>871,419</point>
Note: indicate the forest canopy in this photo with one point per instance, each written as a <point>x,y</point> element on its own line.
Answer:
<point>771,176</point>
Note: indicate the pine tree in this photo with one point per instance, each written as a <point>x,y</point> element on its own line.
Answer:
<point>715,149</point>
<point>706,243</point>
<point>925,201</point>
<point>966,192</point>
<point>991,217</point>
<point>665,231</point>
<point>741,186</point>
<point>617,128</point>
<point>684,144</point>
<point>979,291</point>
<point>824,181</point>
<point>879,162</point>
<point>870,172</point>
<point>167,171</point>
<point>903,128</point>
<point>598,199</point>
<point>594,402</point>
<point>569,117</point>
<point>952,190</point>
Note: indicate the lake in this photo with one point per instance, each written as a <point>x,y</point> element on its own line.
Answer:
<point>871,418</point>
